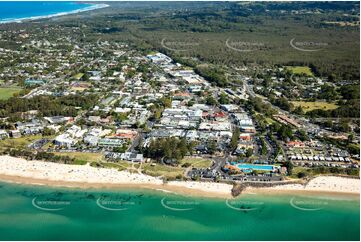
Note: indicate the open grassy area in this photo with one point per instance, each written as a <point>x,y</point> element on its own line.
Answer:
<point>270,121</point>
<point>21,142</point>
<point>311,172</point>
<point>168,172</point>
<point>299,169</point>
<point>120,165</point>
<point>196,162</point>
<point>78,76</point>
<point>300,70</point>
<point>82,157</point>
<point>309,106</point>
<point>8,92</point>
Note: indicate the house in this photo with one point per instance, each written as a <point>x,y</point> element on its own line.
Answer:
<point>91,140</point>
<point>111,142</point>
<point>28,128</point>
<point>31,82</point>
<point>126,133</point>
<point>217,126</point>
<point>94,134</point>
<point>286,120</point>
<point>230,107</point>
<point>219,116</point>
<point>134,157</point>
<point>248,129</point>
<point>244,121</point>
<point>243,146</point>
<point>65,140</point>
<point>15,133</point>
<point>76,131</point>
<point>58,119</point>
<point>70,137</point>
<point>195,89</point>
<point>122,110</point>
<point>94,119</point>
<point>245,136</point>
<point>295,144</point>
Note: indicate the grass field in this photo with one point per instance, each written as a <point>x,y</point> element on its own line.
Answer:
<point>300,70</point>
<point>8,92</point>
<point>83,158</point>
<point>309,106</point>
<point>196,162</point>
<point>270,121</point>
<point>168,172</point>
<point>21,142</point>
<point>120,165</point>
<point>78,76</point>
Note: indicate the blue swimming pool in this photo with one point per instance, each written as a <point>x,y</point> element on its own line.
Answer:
<point>247,167</point>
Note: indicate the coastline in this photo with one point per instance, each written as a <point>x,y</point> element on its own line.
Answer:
<point>18,170</point>
<point>21,20</point>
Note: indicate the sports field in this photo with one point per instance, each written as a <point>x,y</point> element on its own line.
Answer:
<point>309,106</point>
<point>300,70</point>
<point>8,92</point>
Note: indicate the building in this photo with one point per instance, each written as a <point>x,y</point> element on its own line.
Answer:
<point>32,82</point>
<point>111,142</point>
<point>126,133</point>
<point>286,120</point>
<point>295,144</point>
<point>15,133</point>
<point>65,140</point>
<point>134,157</point>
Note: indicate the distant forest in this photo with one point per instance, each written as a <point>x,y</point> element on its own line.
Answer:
<point>211,32</point>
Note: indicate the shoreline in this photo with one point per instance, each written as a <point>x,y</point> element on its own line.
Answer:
<point>171,189</point>
<point>21,171</point>
<point>21,20</point>
<point>166,188</point>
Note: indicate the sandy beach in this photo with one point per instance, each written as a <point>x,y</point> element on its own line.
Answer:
<point>84,176</point>
<point>325,184</point>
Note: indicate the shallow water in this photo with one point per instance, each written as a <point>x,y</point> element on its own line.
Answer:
<point>19,10</point>
<point>45,213</point>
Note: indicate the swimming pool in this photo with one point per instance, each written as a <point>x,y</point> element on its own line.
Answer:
<point>246,167</point>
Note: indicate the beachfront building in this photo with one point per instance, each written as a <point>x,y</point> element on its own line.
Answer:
<point>65,140</point>
<point>111,142</point>
<point>34,82</point>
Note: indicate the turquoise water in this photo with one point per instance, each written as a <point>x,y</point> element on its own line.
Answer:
<point>44,213</point>
<point>20,10</point>
<point>255,167</point>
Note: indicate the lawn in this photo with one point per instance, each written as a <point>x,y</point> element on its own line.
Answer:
<point>300,70</point>
<point>21,142</point>
<point>78,76</point>
<point>299,169</point>
<point>8,92</point>
<point>309,106</point>
<point>196,162</point>
<point>168,172</point>
<point>82,157</point>
<point>120,165</point>
<point>270,121</point>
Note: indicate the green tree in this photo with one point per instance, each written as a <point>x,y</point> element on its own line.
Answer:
<point>289,166</point>
<point>235,138</point>
<point>249,152</point>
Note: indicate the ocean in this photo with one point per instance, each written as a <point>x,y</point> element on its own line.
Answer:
<point>29,212</point>
<point>17,11</point>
